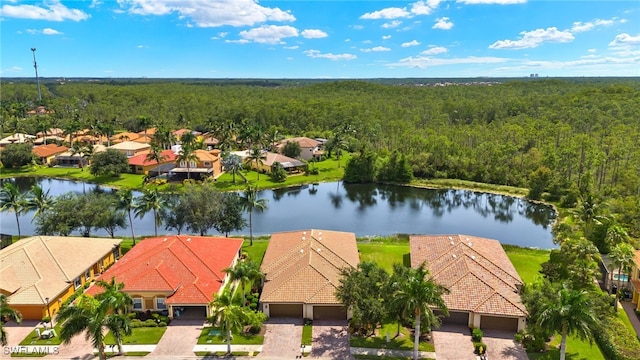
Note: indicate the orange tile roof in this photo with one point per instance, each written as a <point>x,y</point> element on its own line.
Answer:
<point>48,150</point>
<point>204,155</point>
<point>188,266</point>
<point>304,142</point>
<point>308,270</point>
<point>477,271</point>
<point>124,136</point>
<point>141,160</point>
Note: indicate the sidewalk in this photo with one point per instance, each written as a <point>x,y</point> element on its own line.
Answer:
<point>387,352</point>
<point>223,347</point>
<point>630,309</point>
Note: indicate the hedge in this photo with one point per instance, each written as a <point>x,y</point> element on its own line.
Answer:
<point>616,341</point>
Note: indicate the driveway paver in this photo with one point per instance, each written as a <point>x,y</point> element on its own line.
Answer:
<point>501,345</point>
<point>180,338</point>
<point>453,342</point>
<point>282,338</point>
<point>331,340</point>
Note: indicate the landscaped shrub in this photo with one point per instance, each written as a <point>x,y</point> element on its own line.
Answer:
<point>479,348</point>
<point>136,323</point>
<point>150,323</point>
<point>616,341</point>
<point>162,324</point>
<point>476,335</point>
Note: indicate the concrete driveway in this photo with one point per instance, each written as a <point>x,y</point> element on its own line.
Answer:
<point>282,338</point>
<point>453,342</point>
<point>501,345</point>
<point>180,338</point>
<point>330,340</point>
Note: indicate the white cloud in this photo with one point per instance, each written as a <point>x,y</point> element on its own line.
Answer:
<point>269,34</point>
<point>32,31</point>
<point>497,2</point>
<point>386,37</point>
<point>435,50</point>
<point>392,24</point>
<point>626,45</point>
<point>376,49</point>
<point>239,41</point>
<point>590,25</point>
<point>210,13</point>
<point>411,43</point>
<point>424,61</point>
<point>417,8</point>
<point>51,10</point>
<point>95,3</point>
<point>357,27</point>
<point>532,39</point>
<point>625,39</point>
<point>313,34</point>
<point>443,23</point>
<point>294,47</point>
<point>592,51</point>
<point>142,46</point>
<point>13,69</point>
<point>50,31</point>
<point>330,56</point>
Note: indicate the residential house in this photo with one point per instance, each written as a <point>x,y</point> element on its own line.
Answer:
<point>40,111</point>
<point>176,274</point>
<point>140,164</point>
<point>291,165</point>
<point>17,138</point>
<point>39,273</point>
<point>484,286</point>
<point>71,159</point>
<point>131,148</point>
<point>208,164</point>
<point>635,280</point>
<point>302,272</point>
<point>47,153</point>
<point>124,136</point>
<point>310,148</point>
<point>178,133</point>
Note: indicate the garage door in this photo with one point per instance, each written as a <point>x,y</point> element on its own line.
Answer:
<point>454,318</point>
<point>285,310</point>
<point>499,323</point>
<point>329,313</point>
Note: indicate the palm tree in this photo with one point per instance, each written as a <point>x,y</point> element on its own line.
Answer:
<point>151,200</point>
<point>622,256</point>
<point>187,155</point>
<point>155,154</point>
<point>250,202</point>
<point>164,137</point>
<point>94,318</point>
<point>145,123</point>
<point>418,293</point>
<point>589,211</point>
<point>127,203</point>
<point>12,200</point>
<point>6,312</point>
<point>228,315</point>
<point>233,164</point>
<point>256,155</point>
<point>38,200</point>
<point>116,299</point>
<point>244,272</point>
<point>568,311</point>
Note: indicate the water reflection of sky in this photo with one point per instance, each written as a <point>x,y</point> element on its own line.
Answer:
<point>371,210</point>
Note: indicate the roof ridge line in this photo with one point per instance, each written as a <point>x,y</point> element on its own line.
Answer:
<point>54,258</point>
<point>35,284</point>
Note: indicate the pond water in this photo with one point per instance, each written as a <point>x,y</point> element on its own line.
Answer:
<point>365,209</point>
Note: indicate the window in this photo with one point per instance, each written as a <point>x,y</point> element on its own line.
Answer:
<point>160,305</point>
<point>207,164</point>
<point>77,282</point>
<point>116,252</point>
<point>87,274</point>
<point>137,303</point>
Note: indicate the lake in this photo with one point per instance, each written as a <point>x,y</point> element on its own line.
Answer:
<point>364,209</point>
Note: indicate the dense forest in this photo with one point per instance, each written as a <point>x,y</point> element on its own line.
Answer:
<point>565,137</point>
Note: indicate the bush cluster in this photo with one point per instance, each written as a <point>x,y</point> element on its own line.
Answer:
<point>616,342</point>
<point>476,335</point>
<point>148,319</point>
<point>252,300</point>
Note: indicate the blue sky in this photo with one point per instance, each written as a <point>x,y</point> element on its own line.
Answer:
<point>319,39</point>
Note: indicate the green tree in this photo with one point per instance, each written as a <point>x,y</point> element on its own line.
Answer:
<point>568,312</point>
<point>187,155</point>
<point>233,164</point>
<point>126,202</point>
<point>245,273</point>
<point>250,202</point>
<point>395,310</point>
<point>256,155</point>
<point>291,149</point>
<point>16,155</point>
<point>114,297</point>
<point>539,181</point>
<point>361,168</point>
<point>7,312</point>
<point>419,293</point>
<point>228,315</point>
<point>229,217</point>
<point>111,163</point>
<point>278,173</point>
<point>12,200</point>
<point>151,200</point>
<point>622,256</point>
<point>38,200</point>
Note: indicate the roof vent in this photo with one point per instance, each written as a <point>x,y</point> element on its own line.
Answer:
<point>165,239</point>
<point>451,243</point>
<point>319,249</point>
<point>450,238</point>
<point>454,256</point>
<point>303,238</point>
<point>319,233</point>
<point>473,257</point>
<point>304,233</point>
<point>188,239</point>
<point>470,244</point>
<point>301,251</point>
<point>320,238</point>
<point>467,239</point>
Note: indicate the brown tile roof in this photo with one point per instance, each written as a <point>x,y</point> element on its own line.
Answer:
<point>306,271</point>
<point>477,271</point>
<point>204,155</point>
<point>44,266</point>
<point>272,158</point>
<point>48,150</point>
<point>304,142</point>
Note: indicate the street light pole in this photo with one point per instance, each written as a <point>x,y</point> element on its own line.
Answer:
<point>49,313</point>
<point>35,65</point>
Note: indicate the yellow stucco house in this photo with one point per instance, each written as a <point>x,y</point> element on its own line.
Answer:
<point>635,280</point>
<point>39,273</point>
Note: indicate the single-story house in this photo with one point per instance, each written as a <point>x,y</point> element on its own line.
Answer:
<point>291,165</point>
<point>178,133</point>
<point>51,132</point>
<point>40,111</point>
<point>484,286</point>
<point>207,165</point>
<point>68,158</point>
<point>175,273</point>
<point>41,272</point>
<point>302,272</point>
<point>310,148</point>
<point>140,164</point>
<point>48,139</point>
<point>47,153</point>
<point>131,148</point>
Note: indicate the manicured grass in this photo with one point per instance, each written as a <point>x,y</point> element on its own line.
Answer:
<point>385,255</point>
<point>130,353</point>
<point>141,335</point>
<point>576,350</point>
<point>471,185</point>
<point>402,342</point>
<point>238,339</point>
<point>622,315</point>
<point>307,334</point>
<point>256,251</point>
<point>526,261</point>
<point>32,338</point>
<point>128,181</point>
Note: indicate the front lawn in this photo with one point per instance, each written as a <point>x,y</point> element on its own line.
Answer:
<point>256,251</point>
<point>33,339</point>
<point>212,336</point>
<point>379,341</point>
<point>307,334</point>
<point>576,350</point>
<point>139,336</point>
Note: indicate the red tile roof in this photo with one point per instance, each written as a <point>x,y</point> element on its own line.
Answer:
<point>189,265</point>
<point>48,150</point>
<point>477,271</point>
<point>141,159</point>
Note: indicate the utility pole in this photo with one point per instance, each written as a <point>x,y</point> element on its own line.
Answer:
<point>35,65</point>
